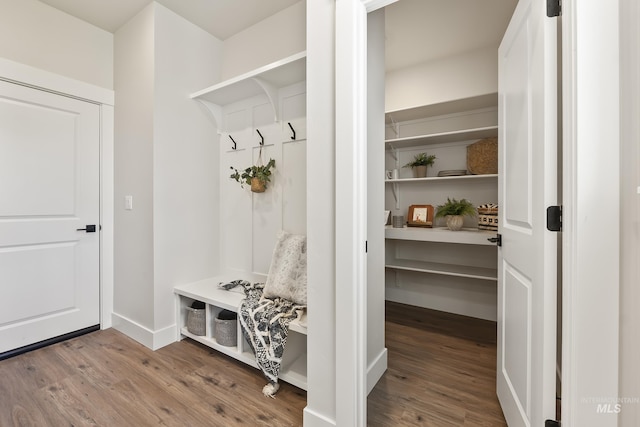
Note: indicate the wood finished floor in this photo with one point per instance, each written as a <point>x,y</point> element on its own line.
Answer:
<point>441,373</point>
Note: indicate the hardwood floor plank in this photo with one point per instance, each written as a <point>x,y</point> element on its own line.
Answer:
<point>441,373</point>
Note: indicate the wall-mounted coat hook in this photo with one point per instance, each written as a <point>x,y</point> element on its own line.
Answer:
<point>292,130</point>
<point>235,146</point>
<point>261,137</point>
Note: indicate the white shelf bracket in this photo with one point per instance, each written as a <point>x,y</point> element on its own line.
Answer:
<point>394,153</point>
<point>216,112</point>
<point>395,126</point>
<point>396,194</point>
<point>272,93</point>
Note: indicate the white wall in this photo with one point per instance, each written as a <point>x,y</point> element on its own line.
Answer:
<point>36,34</point>
<point>321,359</point>
<point>629,376</point>
<point>591,253</point>
<point>133,241</point>
<point>185,159</point>
<point>376,350</point>
<point>282,34</point>
<point>463,76</point>
<point>166,159</point>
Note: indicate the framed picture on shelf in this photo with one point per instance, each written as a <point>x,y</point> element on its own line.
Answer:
<point>420,216</point>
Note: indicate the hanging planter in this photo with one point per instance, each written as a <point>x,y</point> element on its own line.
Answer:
<point>256,176</point>
<point>258,186</point>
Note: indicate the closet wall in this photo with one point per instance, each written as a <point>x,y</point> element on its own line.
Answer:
<point>451,93</point>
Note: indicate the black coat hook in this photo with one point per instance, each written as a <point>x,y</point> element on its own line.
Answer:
<point>235,146</point>
<point>261,137</point>
<point>292,130</point>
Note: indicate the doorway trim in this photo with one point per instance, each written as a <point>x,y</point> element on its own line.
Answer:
<point>591,254</point>
<point>580,348</point>
<point>36,78</point>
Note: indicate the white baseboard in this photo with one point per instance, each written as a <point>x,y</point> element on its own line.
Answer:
<point>150,339</point>
<point>312,418</point>
<point>376,369</point>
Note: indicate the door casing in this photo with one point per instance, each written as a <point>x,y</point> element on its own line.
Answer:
<point>40,79</point>
<point>578,344</point>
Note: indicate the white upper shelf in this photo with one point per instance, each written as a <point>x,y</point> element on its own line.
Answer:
<point>444,137</point>
<point>442,108</point>
<point>441,178</point>
<point>264,80</point>
<point>468,236</point>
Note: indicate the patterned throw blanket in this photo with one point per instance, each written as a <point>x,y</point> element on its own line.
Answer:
<point>265,325</point>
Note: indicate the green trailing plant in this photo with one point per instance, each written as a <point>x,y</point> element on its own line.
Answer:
<point>262,173</point>
<point>421,159</point>
<point>461,207</point>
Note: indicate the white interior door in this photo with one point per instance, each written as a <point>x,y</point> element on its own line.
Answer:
<point>49,188</point>
<point>527,263</point>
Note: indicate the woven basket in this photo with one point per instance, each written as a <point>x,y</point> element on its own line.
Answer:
<point>196,323</point>
<point>226,329</point>
<point>482,157</point>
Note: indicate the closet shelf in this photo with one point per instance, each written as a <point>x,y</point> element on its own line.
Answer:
<point>467,236</point>
<point>443,269</point>
<point>444,137</point>
<point>489,100</point>
<point>264,80</point>
<point>440,178</point>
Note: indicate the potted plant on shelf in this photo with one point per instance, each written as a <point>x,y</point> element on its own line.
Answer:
<point>419,164</point>
<point>256,176</point>
<point>454,212</point>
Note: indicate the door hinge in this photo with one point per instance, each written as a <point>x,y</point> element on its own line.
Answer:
<point>552,423</point>
<point>497,240</point>
<point>554,218</point>
<point>554,8</point>
<point>366,246</point>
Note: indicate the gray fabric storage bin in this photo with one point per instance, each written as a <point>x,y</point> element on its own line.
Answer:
<point>196,323</point>
<point>226,328</point>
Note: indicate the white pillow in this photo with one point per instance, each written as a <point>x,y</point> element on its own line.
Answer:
<point>288,271</point>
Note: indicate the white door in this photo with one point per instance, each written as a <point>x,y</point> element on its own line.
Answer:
<point>527,262</point>
<point>49,188</point>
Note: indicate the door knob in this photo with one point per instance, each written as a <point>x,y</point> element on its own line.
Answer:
<point>91,228</point>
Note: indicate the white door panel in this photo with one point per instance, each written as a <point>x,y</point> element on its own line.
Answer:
<point>527,185</point>
<point>49,188</point>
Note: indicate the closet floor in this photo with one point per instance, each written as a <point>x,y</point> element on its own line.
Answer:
<point>441,371</point>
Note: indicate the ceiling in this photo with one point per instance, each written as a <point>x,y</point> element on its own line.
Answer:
<point>221,18</point>
<point>417,31</point>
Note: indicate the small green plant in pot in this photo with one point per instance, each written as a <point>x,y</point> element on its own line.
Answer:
<point>419,164</point>
<point>256,176</point>
<point>454,212</point>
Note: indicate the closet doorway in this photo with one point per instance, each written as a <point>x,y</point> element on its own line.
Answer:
<point>443,98</point>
